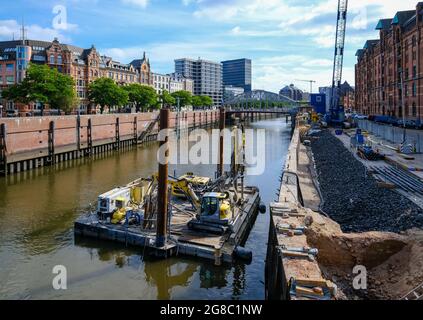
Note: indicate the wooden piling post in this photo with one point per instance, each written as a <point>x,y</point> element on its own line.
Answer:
<point>222,120</point>
<point>117,134</point>
<point>161,232</point>
<point>78,132</point>
<point>89,137</point>
<point>135,130</point>
<point>3,149</point>
<point>51,157</point>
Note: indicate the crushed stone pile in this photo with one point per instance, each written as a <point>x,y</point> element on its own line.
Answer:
<point>352,197</point>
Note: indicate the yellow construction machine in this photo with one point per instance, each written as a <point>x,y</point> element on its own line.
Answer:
<point>197,184</point>
<point>214,209</point>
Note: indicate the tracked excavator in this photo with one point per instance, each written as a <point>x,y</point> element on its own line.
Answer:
<point>214,210</point>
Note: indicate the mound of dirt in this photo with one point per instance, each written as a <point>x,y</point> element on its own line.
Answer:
<point>394,261</point>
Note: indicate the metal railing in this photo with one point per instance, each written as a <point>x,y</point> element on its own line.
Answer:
<point>394,135</point>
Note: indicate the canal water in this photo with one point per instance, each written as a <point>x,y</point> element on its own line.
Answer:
<point>38,208</point>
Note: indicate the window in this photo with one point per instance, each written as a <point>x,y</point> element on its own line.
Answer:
<point>1,79</point>
<point>59,59</point>
<point>10,79</point>
<point>414,71</point>
<point>39,58</point>
<point>9,67</point>
<point>414,41</point>
<point>414,89</point>
<point>414,110</point>
<point>52,60</point>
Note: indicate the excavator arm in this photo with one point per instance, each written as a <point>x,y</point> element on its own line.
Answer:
<point>187,189</point>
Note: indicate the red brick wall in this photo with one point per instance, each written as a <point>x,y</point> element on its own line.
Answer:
<point>30,134</point>
<point>378,73</point>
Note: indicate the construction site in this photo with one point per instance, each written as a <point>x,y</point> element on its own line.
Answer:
<point>337,212</point>
<point>349,218</point>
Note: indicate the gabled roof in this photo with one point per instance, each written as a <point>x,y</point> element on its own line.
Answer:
<point>139,62</point>
<point>345,87</point>
<point>384,24</point>
<point>403,16</point>
<point>359,53</point>
<point>370,43</point>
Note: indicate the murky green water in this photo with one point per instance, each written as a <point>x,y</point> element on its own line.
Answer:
<point>38,208</point>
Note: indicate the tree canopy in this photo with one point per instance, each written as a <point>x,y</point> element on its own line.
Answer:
<point>201,101</point>
<point>45,85</point>
<point>105,92</point>
<point>185,98</point>
<point>167,99</point>
<point>141,96</point>
<point>196,101</point>
<point>206,101</point>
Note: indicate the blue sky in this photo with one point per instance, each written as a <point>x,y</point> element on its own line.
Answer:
<point>286,39</point>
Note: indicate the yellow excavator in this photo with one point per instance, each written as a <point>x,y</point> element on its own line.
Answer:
<point>197,183</point>
<point>214,209</point>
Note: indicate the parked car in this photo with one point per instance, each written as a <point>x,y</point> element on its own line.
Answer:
<point>361,117</point>
<point>12,113</point>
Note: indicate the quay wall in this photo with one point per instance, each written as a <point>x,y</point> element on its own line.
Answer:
<point>290,209</point>
<point>48,138</point>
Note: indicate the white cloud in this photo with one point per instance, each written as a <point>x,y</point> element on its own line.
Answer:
<point>10,28</point>
<point>140,3</point>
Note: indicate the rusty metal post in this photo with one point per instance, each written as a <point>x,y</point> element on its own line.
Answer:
<point>162,198</point>
<point>222,120</point>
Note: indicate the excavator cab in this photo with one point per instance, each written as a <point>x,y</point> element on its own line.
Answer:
<point>215,208</point>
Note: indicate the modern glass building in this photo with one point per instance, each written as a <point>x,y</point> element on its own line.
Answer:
<point>237,73</point>
<point>207,76</point>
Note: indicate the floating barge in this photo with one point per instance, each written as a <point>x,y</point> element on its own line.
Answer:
<point>220,248</point>
<point>195,216</point>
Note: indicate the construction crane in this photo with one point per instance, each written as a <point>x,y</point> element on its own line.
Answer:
<point>336,110</point>
<point>311,83</point>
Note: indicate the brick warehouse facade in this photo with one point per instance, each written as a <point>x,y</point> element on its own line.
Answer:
<point>84,65</point>
<point>382,62</point>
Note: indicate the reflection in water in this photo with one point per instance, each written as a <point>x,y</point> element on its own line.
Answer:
<point>38,208</point>
<point>167,274</point>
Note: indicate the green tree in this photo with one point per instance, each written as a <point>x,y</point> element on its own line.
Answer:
<point>64,98</point>
<point>141,96</point>
<point>184,97</point>
<point>206,101</point>
<point>105,92</point>
<point>167,98</point>
<point>44,85</point>
<point>196,102</point>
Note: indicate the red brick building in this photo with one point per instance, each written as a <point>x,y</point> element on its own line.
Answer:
<point>384,62</point>
<point>84,65</point>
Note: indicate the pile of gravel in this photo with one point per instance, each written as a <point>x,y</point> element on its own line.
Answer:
<point>353,198</point>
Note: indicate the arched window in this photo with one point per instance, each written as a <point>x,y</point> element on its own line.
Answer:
<point>59,59</point>
<point>52,59</point>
